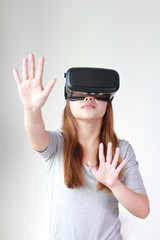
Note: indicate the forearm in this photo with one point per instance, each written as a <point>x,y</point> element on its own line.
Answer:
<point>135,203</point>
<point>35,129</point>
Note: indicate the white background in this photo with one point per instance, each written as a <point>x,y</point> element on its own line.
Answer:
<point>118,34</point>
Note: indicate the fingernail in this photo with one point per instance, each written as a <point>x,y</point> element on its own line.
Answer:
<point>101,145</point>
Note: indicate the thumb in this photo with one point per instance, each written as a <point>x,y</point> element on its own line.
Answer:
<point>49,87</point>
<point>93,167</point>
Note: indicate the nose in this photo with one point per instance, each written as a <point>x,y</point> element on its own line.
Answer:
<point>89,98</point>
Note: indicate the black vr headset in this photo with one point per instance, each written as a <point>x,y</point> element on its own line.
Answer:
<point>98,82</point>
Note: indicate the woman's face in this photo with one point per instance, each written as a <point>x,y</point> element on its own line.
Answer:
<point>88,109</point>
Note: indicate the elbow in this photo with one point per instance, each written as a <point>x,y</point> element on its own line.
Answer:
<point>144,207</point>
<point>145,214</point>
<point>146,210</point>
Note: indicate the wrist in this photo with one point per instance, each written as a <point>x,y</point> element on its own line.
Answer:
<point>116,186</point>
<point>33,118</point>
<point>32,110</point>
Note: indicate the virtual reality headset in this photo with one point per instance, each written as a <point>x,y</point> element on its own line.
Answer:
<point>98,82</point>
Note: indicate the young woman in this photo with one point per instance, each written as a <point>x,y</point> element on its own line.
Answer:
<point>89,169</point>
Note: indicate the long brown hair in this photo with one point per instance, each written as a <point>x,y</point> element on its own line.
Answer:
<point>73,152</point>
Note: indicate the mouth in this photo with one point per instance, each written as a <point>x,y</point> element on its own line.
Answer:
<point>88,106</point>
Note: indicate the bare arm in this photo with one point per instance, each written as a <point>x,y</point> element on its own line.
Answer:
<point>35,130</point>
<point>108,172</point>
<point>135,203</point>
<point>33,97</point>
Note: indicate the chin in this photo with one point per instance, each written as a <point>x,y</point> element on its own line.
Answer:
<point>89,118</point>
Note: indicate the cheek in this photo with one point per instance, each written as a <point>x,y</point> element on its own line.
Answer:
<point>73,108</point>
<point>103,108</point>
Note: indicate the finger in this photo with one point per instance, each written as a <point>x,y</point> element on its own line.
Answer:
<point>16,76</point>
<point>93,167</point>
<point>109,153</point>
<point>121,166</point>
<point>24,69</point>
<point>40,69</point>
<point>116,157</point>
<point>31,66</point>
<point>49,87</point>
<point>101,153</point>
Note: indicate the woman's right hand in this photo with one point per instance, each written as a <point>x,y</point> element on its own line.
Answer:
<point>31,91</point>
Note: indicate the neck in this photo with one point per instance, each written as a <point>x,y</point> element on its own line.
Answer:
<point>88,131</point>
<point>88,137</point>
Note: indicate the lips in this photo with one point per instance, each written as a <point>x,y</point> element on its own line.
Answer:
<point>88,106</point>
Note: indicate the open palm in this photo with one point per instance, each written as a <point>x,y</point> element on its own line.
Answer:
<point>31,91</point>
<point>108,172</point>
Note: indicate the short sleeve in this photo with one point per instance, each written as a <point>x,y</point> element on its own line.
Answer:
<point>54,146</point>
<point>131,175</point>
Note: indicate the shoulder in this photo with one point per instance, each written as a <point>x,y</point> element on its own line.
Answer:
<point>123,145</point>
<point>55,136</point>
<point>55,145</point>
<point>55,132</point>
<point>126,150</point>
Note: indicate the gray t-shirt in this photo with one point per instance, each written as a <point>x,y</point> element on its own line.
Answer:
<point>84,213</point>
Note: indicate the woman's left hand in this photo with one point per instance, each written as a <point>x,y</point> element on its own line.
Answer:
<point>108,171</point>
